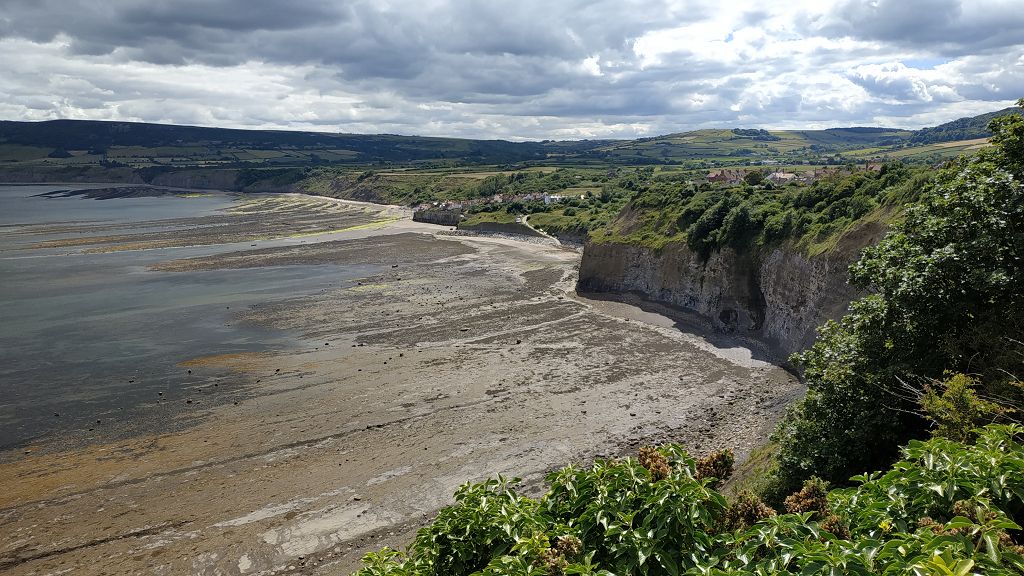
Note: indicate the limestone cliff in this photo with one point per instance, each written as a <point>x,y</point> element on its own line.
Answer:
<point>776,295</point>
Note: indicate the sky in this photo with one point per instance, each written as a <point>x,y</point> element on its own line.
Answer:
<point>511,69</point>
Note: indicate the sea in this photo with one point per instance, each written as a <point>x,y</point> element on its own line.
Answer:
<point>91,344</point>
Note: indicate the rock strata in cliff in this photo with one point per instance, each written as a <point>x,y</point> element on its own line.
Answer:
<point>775,295</point>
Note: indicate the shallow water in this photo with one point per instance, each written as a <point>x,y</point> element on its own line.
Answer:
<point>87,337</point>
<point>20,205</point>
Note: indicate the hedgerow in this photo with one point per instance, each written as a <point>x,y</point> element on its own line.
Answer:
<point>947,508</point>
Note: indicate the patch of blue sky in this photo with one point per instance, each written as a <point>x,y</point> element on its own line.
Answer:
<point>924,63</point>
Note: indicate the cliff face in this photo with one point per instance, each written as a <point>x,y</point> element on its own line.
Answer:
<point>500,228</point>
<point>438,216</point>
<point>778,296</point>
<point>199,179</point>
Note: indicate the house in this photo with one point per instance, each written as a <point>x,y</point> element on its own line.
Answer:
<point>725,176</point>
<point>781,177</point>
<point>820,173</point>
<point>553,198</point>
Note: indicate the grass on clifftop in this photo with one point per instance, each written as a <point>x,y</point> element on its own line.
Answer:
<point>499,217</point>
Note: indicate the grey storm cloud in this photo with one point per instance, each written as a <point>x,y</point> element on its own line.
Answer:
<point>953,27</point>
<point>509,69</point>
<point>232,31</point>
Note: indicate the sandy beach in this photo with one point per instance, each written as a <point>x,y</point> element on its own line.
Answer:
<point>456,358</point>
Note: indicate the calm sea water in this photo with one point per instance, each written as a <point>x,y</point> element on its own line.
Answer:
<point>86,337</point>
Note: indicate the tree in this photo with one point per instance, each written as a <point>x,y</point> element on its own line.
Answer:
<point>753,177</point>
<point>947,296</point>
<point>493,185</point>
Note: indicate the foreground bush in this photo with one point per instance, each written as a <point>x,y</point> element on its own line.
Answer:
<point>946,509</point>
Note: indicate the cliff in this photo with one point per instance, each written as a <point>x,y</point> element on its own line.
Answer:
<point>776,295</point>
<point>514,229</point>
<point>438,216</point>
<point>200,180</point>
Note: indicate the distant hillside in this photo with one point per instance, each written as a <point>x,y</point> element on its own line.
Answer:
<point>725,146</point>
<point>27,148</point>
<point>122,139</point>
<point>855,137</point>
<point>960,129</point>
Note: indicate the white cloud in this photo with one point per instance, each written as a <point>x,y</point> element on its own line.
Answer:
<point>895,82</point>
<point>592,66</point>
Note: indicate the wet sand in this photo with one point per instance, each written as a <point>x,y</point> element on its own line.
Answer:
<point>461,358</point>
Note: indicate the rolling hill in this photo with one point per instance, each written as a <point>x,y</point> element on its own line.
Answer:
<point>961,129</point>
<point>140,144</point>
<point>83,144</point>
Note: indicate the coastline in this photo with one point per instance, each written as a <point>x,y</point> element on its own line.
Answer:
<point>461,357</point>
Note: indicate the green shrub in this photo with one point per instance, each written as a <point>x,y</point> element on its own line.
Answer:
<point>955,409</point>
<point>946,508</point>
<point>487,520</point>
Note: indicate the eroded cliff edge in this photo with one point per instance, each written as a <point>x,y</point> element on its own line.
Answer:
<point>774,295</point>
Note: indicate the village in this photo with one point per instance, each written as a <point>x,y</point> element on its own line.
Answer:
<point>722,177</point>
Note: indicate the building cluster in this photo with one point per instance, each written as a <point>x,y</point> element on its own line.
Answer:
<point>734,176</point>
